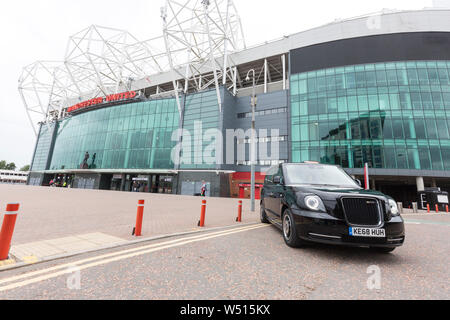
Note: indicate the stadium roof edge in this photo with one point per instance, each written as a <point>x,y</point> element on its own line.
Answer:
<point>337,30</point>
<point>46,78</point>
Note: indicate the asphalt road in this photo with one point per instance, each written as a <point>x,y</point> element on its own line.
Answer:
<point>245,263</point>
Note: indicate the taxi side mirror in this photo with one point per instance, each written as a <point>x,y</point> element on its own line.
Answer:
<point>278,180</point>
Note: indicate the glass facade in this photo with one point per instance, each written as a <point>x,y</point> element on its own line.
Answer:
<point>392,115</point>
<point>201,108</point>
<point>43,147</point>
<point>130,136</point>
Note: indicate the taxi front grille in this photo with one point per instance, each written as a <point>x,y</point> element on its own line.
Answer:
<point>362,211</point>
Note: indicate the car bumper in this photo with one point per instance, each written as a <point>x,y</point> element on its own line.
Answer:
<point>324,228</point>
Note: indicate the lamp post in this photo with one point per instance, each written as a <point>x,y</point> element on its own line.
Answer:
<point>252,142</point>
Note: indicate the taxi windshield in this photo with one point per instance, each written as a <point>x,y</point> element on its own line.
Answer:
<point>321,175</point>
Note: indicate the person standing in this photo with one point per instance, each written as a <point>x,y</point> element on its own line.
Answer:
<point>203,190</point>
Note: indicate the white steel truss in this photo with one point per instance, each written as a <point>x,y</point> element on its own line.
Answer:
<point>198,36</point>
<point>104,60</point>
<point>43,87</point>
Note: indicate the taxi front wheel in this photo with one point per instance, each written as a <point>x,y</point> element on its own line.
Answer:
<point>290,232</point>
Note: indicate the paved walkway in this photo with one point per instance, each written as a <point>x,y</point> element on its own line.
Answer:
<point>43,250</point>
<point>53,213</point>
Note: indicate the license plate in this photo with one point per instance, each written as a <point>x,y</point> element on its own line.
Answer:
<point>368,232</point>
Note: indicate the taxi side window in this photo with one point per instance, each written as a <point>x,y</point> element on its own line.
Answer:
<point>270,174</point>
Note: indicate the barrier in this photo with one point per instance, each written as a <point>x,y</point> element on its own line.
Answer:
<point>239,217</point>
<point>201,223</point>
<point>6,233</point>
<point>437,208</point>
<point>366,177</point>
<point>139,218</point>
<point>428,208</point>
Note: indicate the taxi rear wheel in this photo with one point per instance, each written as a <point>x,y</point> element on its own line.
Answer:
<point>263,213</point>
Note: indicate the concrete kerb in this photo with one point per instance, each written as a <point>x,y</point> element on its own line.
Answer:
<point>425,214</point>
<point>18,265</point>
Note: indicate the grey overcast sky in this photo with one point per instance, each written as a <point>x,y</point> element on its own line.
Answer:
<point>39,29</point>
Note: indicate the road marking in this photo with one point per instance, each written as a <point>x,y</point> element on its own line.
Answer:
<point>30,259</point>
<point>67,265</point>
<point>440,223</point>
<point>114,257</point>
<point>425,214</point>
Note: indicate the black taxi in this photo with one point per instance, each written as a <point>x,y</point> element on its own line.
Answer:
<point>312,202</point>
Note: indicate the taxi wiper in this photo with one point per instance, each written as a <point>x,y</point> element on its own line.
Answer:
<point>323,184</point>
<point>332,185</point>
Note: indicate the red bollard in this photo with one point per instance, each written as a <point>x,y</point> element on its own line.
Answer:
<point>446,208</point>
<point>239,217</point>
<point>201,223</point>
<point>139,218</point>
<point>437,208</point>
<point>9,222</point>
<point>428,208</point>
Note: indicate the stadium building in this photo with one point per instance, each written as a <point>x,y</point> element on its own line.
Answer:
<point>373,89</point>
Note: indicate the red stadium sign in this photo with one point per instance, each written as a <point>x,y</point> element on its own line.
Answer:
<point>108,99</point>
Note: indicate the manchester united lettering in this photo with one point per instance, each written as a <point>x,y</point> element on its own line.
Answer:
<point>110,98</point>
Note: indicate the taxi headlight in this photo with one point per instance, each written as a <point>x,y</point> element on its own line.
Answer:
<point>393,207</point>
<point>314,203</point>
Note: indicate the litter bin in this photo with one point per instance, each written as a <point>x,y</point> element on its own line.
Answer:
<point>400,207</point>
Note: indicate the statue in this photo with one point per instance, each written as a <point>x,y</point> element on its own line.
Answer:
<point>85,165</point>
<point>93,166</point>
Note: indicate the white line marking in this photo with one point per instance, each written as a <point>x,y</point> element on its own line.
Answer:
<point>426,214</point>
<point>33,273</point>
<point>125,254</point>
